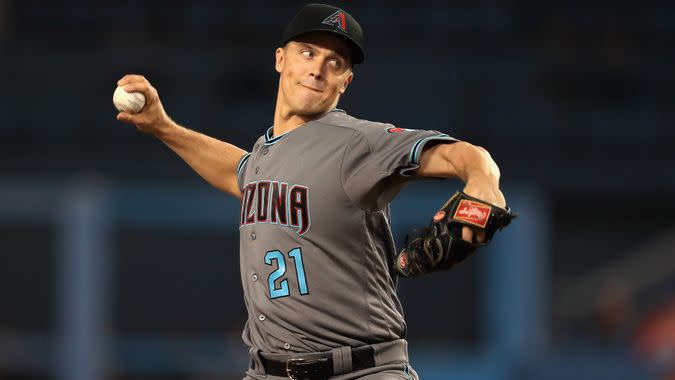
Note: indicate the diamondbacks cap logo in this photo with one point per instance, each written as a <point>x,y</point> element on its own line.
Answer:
<point>472,212</point>
<point>337,19</point>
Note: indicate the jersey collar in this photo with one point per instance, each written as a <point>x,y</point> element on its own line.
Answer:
<point>271,139</point>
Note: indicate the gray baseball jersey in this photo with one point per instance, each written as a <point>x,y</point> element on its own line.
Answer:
<point>316,243</point>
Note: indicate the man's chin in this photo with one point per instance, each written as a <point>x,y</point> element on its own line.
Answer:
<point>311,110</point>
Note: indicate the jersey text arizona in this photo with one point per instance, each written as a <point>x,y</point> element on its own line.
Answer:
<point>277,203</point>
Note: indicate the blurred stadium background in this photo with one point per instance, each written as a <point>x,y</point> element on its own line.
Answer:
<point>118,262</point>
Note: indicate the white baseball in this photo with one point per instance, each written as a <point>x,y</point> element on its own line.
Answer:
<point>131,102</point>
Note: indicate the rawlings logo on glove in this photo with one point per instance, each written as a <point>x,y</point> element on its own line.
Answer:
<point>472,212</point>
<point>440,246</point>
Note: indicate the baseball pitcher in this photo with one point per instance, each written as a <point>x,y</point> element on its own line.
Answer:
<point>318,263</point>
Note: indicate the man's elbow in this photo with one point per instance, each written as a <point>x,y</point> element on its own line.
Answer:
<point>491,164</point>
<point>475,157</point>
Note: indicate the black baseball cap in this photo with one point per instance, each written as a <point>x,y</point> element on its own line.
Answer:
<point>327,18</point>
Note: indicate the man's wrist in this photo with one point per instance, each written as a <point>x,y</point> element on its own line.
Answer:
<point>483,180</point>
<point>166,129</point>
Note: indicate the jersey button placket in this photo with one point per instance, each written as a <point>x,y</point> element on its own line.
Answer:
<point>261,317</point>
<point>260,160</point>
<point>254,277</point>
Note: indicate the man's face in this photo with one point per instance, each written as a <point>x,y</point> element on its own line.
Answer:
<point>314,71</point>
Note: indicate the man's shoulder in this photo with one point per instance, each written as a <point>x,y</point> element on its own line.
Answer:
<point>342,120</point>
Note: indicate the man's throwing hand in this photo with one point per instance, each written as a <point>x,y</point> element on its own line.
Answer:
<point>152,118</point>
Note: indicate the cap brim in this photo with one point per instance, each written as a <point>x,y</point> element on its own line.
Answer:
<point>357,54</point>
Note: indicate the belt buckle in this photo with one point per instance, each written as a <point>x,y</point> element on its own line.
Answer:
<point>294,365</point>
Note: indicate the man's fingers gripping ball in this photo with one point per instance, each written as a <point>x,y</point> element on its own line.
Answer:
<point>130,102</point>
<point>132,78</point>
<point>461,226</point>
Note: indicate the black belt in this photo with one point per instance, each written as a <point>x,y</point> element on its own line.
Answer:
<point>316,368</point>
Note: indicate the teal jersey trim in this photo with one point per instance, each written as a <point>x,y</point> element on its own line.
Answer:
<point>242,162</point>
<point>417,148</point>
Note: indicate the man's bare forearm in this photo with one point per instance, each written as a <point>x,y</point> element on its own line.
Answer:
<point>458,160</point>
<point>214,160</point>
<point>470,163</point>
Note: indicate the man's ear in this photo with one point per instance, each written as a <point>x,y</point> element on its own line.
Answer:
<point>279,59</point>
<point>347,81</point>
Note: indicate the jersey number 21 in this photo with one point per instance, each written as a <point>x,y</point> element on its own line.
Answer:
<point>280,260</point>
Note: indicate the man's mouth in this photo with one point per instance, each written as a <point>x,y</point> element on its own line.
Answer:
<point>311,88</point>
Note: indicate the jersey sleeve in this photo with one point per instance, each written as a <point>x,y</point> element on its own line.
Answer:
<point>380,158</point>
<point>241,169</point>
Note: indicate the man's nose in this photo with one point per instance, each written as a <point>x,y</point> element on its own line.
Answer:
<point>317,70</point>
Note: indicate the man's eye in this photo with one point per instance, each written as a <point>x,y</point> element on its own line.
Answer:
<point>335,63</point>
<point>306,53</point>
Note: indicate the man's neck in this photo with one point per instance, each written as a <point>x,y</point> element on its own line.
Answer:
<point>285,121</point>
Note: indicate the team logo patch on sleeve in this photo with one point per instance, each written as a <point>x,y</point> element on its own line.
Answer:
<point>338,20</point>
<point>403,260</point>
<point>398,130</point>
<point>473,212</point>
